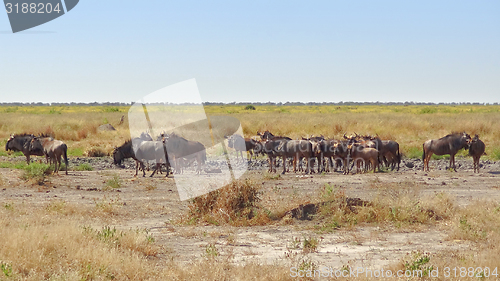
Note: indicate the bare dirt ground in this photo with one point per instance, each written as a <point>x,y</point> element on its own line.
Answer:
<point>153,204</point>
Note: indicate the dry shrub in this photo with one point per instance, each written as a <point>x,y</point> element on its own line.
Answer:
<point>399,206</point>
<point>234,204</point>
<point>96,152</point>
<point>477,223</point>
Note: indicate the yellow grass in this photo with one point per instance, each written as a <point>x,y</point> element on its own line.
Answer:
<point>56,242</point>
<point>409,125</point>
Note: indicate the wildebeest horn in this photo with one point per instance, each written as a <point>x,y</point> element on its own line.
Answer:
<point>345,136</point>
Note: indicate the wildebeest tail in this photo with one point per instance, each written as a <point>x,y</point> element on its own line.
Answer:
<point>423,154</point>
<point>399,156</point>
<point>65,155</point>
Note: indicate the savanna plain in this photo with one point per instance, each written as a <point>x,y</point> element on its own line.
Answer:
<point>100,222</point>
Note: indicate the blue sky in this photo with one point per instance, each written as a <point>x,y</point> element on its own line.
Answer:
<point>321,51</point>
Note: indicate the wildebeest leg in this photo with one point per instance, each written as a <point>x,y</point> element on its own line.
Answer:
<point>270,170</point>
<point>452,160</point>
<point>427,159</point>
<point>284,165</point>
<point>154,171</point>
<point>295,159</point>
<point>309,167</point>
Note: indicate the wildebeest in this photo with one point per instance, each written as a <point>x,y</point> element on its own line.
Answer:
<point>341,152</point>
<point>126,150</point>
<point>271,149</point>
<point>449,144</point>
<point>241,144</point>
<point>296,149</point>
<point>389,150</point>
<point>364,155</point>
<point>53,149</point>
<point>152,150</point>
<point>268,136</point>
<point>324,149</point>
<point>179,147</point>
<point>476,149</point>
<point>22,143</point>
<point>390,153</point>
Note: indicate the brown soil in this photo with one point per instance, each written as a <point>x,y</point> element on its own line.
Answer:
<point>153,203</point>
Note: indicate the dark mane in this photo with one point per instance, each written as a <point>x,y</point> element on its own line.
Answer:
<point>453,134</point>
<point>129,141</point>
<point>22,135</point>
<point>45,136</point>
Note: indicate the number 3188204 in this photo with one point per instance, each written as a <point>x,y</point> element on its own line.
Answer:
<point>32,8</point>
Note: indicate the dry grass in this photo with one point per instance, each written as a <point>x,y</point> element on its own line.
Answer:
<point>235,204</point>
<point>55,242</point>
<point>395,205</point>
<point>409,125</point>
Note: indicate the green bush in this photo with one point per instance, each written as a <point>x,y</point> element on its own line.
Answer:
<point>36,172</point>
<point>249,107</point>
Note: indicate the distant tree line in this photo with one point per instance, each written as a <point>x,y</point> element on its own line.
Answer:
<point>288,103</point>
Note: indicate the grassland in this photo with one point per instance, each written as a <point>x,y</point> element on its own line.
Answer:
<point>409,125</point>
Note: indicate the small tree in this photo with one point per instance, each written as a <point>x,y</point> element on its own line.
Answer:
<point>249,107</point>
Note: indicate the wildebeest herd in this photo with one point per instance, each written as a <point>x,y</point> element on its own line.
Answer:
<point>175,152</point>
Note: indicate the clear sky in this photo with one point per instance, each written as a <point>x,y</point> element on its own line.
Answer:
<point>320,51</point>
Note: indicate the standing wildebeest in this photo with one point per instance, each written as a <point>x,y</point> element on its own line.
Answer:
<point>389,150</point>
<point>296,149</point>
<point>241,144</point>
<point>271,149</point>
<point>476,149</point>
<point>22,143</point>
<point>152,150</point>
<point>127,150</point>
<point>449,144</point>
<point>341,152</point>
<point>178,148</point>
<point>364,155</point>
<point>52,148</point>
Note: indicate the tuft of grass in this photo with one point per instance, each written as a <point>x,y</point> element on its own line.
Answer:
<point>235,204</point>
<point>396,205</point>
<point>211,251</point>
<point>269,176</point>
<point>418,262</point>
<point>36,172</point>
<point>6,269</point>
<point>96,152</point>
<point>114,183</point>
<point>310,245</point>
<point>84,167</point>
